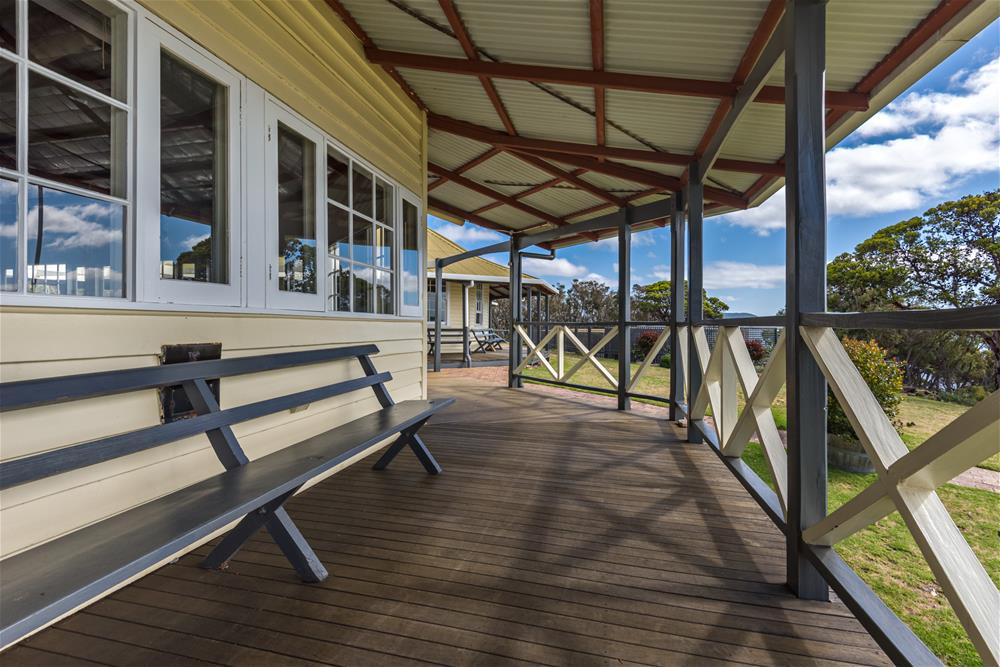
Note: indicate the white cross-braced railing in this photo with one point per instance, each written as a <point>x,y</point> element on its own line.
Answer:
<point>905,480</point>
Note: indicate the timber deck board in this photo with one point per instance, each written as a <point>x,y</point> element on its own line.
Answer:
<point>559,534</point>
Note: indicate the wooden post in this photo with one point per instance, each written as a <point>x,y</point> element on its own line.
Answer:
<point>677,234</point>
<point>515,313</point>
<point>696,306</point>
<point>805,283</point>
<point>438,314</point>
<point>624,306</point>
<point>466,356</point>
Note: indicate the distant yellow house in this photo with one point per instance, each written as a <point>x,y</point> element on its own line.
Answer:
<point>486,281</point>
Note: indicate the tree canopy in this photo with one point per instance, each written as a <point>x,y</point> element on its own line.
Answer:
<point>653,302</point>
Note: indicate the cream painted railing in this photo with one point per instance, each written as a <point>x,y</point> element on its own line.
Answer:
<point>906,480</point>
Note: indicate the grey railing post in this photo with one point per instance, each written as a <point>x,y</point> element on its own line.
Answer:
<point>676,303</point>
<point>696,305</point>
<point>466,356</point>
<point>624,306</point>
<point>805,280</point>
<point>515,312</point>
<point>438,314</point>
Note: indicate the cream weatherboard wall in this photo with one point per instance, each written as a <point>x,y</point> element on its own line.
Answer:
<point>301,53</point>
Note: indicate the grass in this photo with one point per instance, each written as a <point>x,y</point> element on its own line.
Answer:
<point>887,558</point>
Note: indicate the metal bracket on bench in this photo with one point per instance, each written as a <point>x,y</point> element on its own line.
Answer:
<point>273,516</point>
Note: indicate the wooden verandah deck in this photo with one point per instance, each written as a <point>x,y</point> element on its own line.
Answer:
<point>559,533</point>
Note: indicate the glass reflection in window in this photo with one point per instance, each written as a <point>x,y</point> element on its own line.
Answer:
<point>338,231</point>
<point>83,41</point>
<point>8,25</point>
<point>362,240</point>
<point>362,188</point>
<point>363,289</point>
<point>383,247</point>
<point>8,113</point>
<point>383,293</point>
<point>8,235</point>
<point>340,285</point>
<point>296,212</point>
<point>383,201</point>
<point>194,234</point>
<point>75,244</point>
<point>74,138</point>
<point>411,256</point>
<point>338,177</point>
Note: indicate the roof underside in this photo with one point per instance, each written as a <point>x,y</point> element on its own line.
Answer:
<point>537,118</point>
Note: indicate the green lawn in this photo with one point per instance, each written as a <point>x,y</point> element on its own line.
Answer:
<point>888,559</point>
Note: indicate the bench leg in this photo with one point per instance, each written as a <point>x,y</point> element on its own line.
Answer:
<point>416,443</point>
<point>283,531</point>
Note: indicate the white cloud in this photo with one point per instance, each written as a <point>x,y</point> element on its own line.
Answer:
<point>467,233</point>
<point>553,267</point>
<point>192,241</point>
<point>78,226</point>
<point>727,275</point>
<point>661,272</point>
<point>929,142</point>
<point>597,277</point>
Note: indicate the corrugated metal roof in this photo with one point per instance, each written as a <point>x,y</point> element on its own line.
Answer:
<point>671,38</point>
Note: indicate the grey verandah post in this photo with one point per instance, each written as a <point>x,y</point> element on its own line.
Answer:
<point>696,307</point>
<point>466,356</point>
<point>677,234</point>
<point>515,314</point>
<point>624,306</point>
<point>438,311</point>
<point>805,213</point>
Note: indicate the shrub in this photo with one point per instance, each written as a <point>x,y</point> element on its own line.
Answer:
<point>757,350</point>
<point>665,361</point>
<point>883,375</point>
<point>644,344</point>
<point>964,395</point>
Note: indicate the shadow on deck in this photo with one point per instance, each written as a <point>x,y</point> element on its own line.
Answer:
<point>559,534</point>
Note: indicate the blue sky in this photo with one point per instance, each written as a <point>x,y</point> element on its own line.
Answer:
<point>938,141</point>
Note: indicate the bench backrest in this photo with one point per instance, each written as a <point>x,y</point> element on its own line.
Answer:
<point>193,377</point>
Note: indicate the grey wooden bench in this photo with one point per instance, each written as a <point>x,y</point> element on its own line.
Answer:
<point>448,337</point>
<point>41,584</point>
<point>487,340</point>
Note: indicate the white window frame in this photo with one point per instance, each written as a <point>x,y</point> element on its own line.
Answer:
<point>418,311</point>
<point>276,113</point>
<point>432,298</point>
<point>24,65</point>
<point>479,318</point>
<point>152,38</point>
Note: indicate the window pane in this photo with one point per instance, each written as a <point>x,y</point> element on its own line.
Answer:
<point>8,235</point>
<point>8,113</point>
<point>80,41</point>
<point>362,191</point>
<point>8,23</point>
<point>194,230</point>
<point>411,256</point>
<point>362,240</point>
<point>296,212</point>
<point>340,285</point>
<point>383,202</point>
<point>362,289</point>
<point>338,178</point>
<point>383,292</point>
<point>75,244</point>
<point>338,231</point>
<point>383,247</point>
<point>74,138</point>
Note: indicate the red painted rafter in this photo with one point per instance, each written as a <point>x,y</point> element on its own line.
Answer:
<point>367,42</point>
<point>492,137</point>
<point>597,62</point>
<point>570,177</point>
<point>462,35</point>
<point>493,194</point>
<point>768,22</point>
<point>462,168</point>
<point>589,78</point>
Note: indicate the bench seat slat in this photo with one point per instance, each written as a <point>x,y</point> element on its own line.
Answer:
<point>47,391</point>
<point>48,581</point>
<point>39,466</point>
